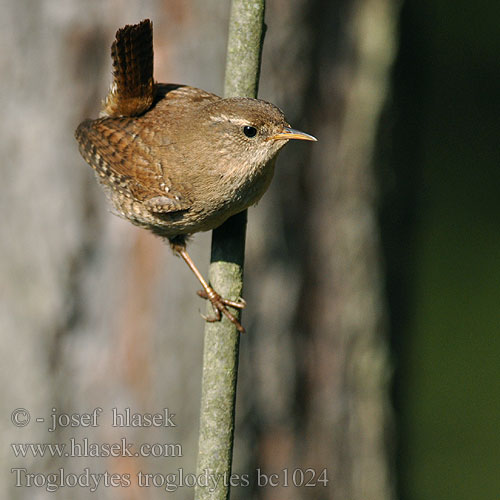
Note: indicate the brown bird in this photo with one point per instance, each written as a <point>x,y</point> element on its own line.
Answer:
<point>175,159</point>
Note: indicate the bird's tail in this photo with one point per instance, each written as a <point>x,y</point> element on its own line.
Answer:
<point>132,90</point>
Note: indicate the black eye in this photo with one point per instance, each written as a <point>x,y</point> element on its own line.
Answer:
<point>249,131</point>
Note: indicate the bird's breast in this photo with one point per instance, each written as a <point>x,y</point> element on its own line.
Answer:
<point>226,195</point>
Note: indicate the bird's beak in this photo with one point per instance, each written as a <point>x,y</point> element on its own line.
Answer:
<point>290,133</point>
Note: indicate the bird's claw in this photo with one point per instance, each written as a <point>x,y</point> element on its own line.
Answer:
<point>219,305</point>
<point>238,304</point>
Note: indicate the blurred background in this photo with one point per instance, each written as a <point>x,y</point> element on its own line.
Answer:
<point>372,268</point>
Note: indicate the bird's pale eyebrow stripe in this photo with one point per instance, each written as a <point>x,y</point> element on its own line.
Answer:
<point>225,118</point>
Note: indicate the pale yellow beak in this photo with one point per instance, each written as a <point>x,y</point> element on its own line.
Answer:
<point>290,133</point>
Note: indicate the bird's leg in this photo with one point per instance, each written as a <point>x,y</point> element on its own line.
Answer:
<point>218,303</point>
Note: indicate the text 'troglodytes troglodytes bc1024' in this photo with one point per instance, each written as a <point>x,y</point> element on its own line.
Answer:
<point>175,159</point>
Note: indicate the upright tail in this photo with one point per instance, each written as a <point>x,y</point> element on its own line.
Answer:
<point>132,90</point>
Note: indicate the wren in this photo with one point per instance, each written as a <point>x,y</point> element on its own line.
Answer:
<point>175,159</point>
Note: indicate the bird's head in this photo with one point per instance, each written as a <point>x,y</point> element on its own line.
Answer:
<point>249,130</point>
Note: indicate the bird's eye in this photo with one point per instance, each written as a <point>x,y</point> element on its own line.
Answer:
<point>249,131</point>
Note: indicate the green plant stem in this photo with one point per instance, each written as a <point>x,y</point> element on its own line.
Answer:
<point>220,357</point>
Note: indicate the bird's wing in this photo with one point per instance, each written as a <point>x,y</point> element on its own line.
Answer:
<point>132,90</point>
<point>114,149</point>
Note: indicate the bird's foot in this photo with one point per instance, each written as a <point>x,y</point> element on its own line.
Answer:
<point>219,305</point>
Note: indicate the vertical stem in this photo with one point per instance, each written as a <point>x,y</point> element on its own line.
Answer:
<point>244,48</point>
<point>220,358</point>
